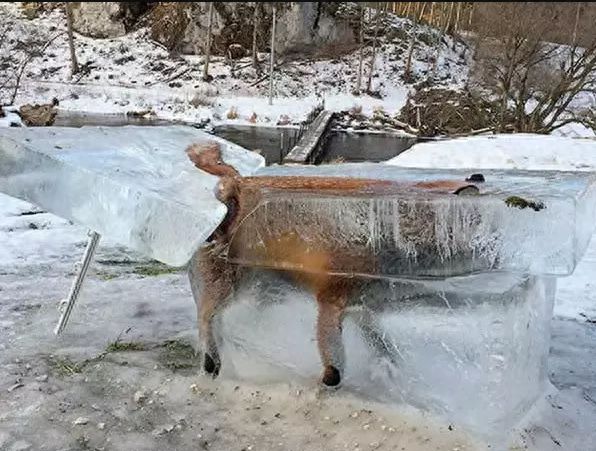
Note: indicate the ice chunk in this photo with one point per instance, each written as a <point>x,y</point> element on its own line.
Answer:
<point>529,222</point>
<point>472,350</point>
<point>134,184</point>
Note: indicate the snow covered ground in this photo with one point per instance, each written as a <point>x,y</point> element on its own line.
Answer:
<point>132,73</point>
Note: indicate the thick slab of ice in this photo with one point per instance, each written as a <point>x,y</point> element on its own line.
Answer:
<point>472,349</point>
<point>412,229</point>
<point>134,184</point>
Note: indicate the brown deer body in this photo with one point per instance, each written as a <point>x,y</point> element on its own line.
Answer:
<point>214,278</point>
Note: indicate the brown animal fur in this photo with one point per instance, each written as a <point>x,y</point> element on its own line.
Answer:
<point>218,278</point>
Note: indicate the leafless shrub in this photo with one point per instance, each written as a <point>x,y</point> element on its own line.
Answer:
<point>201,100</point>
<point>232,113</point>
<point>536,84</point>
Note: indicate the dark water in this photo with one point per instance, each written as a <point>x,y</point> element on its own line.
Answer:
<point>271,142</point>
<point>350,147</point>
<point>359,147</point>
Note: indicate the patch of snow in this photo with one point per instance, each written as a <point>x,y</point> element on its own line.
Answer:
<point>508,151</point>
<point>132,73</point>
<point>575,130</point>
<point>10,119</point>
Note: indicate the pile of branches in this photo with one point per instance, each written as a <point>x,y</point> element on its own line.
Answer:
<point>440,111</point>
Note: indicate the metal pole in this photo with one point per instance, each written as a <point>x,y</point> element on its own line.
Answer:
<point>75,289</point>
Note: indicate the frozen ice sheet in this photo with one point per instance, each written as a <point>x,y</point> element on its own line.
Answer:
<point>134,184</point>
<point>413,229</point>
<point>472,349</point>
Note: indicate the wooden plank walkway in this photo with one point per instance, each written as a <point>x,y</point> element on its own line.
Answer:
<point>309,146</point>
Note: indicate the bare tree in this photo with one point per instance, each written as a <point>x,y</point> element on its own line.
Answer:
<point>408,69</point>
<point>74,65</point>
<point>457,16</point>
<point>449,16</point>
<point>255,24</point>
<point>272,60</point>
<point>574,42</point>
<point>409,5</point>
<point>208,45</point>
<point>441,20</point>
<point>431,20</point>
<point>536,82</point>
<point>360,51</point>
<point>380,14</point>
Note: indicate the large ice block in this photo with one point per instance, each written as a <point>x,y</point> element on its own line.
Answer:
<point>472,350</point>
<point>529,222</point>
<point>133,184</point>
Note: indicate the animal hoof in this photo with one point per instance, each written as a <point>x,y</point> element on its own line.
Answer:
<point>211,366</point>
<point>331,376</point>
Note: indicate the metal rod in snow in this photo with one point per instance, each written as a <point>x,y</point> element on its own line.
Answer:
<point>272,61</point>
<point>77,284</point>
<point>208,47</point>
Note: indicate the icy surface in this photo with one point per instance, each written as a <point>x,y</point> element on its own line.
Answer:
<point>472,350</point>
<point>410,228</point>
<point>133,184</point>
<point>576,295</point>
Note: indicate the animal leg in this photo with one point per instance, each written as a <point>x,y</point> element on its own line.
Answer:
<point>212,282</point>
<point>331,300</point>
<point>370,327</point>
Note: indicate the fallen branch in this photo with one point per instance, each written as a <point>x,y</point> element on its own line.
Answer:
<point>475,132</point>
<point>266,76</point>
<point>173,77</point>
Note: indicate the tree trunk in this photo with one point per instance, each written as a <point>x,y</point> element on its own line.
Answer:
<point>408,69</point>
<point>449,16</point>
<point>440,25</point>
<point>470,17</point>
<point>576,23</point>
<point>208,47</point>
<point>272,61</point>
<point>457,15</point>
<point>74,65</point>
<point>431,19</point>
<point>360,52</point>
<point>421,12</point>
<point>374,48</point>
<point>255,22</point>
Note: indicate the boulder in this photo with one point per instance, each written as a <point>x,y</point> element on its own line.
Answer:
<point>106,19</point>
<point>300,26</point>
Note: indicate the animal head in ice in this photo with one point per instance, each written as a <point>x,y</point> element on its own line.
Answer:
<point>207,157</point>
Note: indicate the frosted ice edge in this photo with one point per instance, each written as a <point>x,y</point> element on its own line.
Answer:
<point>134,184</point>
<point>418,233</point>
